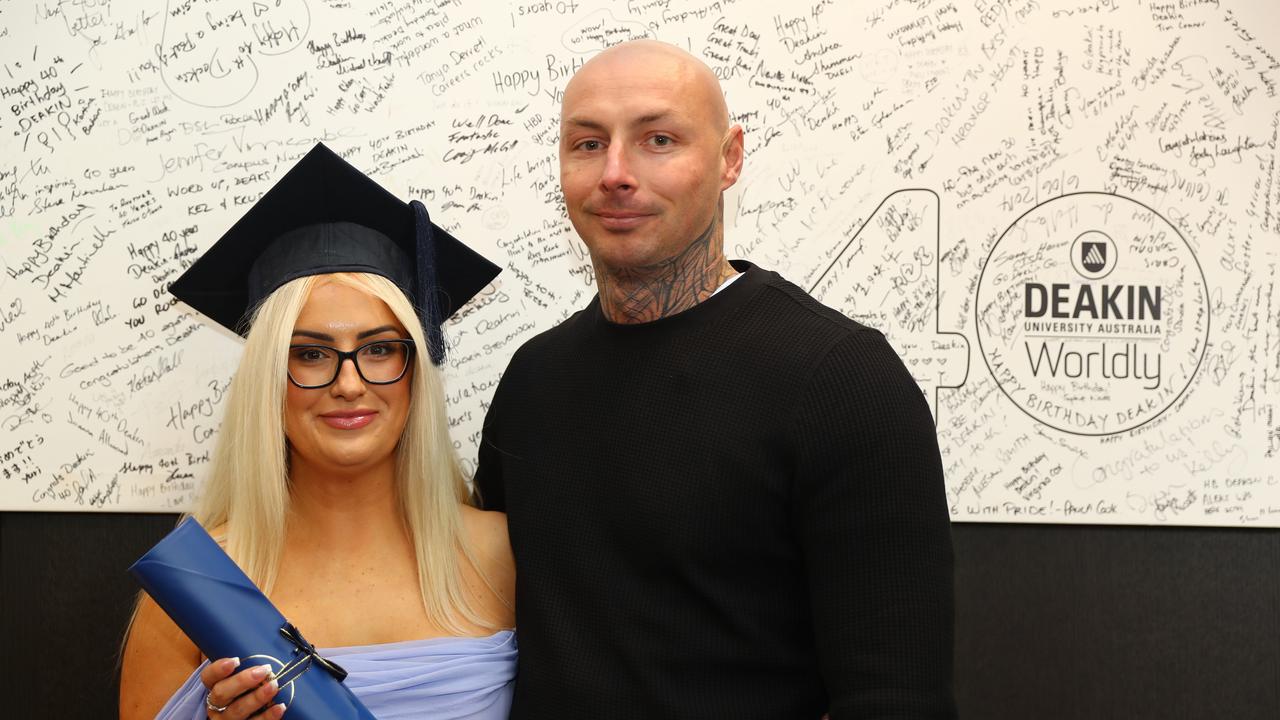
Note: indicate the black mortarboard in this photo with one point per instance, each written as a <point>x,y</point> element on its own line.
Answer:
<point>326,216</point>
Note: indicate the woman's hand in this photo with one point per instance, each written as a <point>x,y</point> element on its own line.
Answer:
<point>239,695</point>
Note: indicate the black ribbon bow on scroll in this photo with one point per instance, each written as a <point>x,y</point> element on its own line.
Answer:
<point>302,663</point>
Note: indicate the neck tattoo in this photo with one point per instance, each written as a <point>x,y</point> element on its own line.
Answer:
<point>645,294</point>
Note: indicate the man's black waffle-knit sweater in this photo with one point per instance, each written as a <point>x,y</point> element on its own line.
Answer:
<point>732,512</point>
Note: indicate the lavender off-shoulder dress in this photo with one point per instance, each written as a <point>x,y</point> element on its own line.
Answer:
<point>446,678</point>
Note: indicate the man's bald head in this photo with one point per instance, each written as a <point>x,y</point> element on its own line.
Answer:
<point>664,62</point>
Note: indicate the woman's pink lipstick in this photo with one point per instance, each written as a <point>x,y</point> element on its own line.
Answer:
<point>348,419</point>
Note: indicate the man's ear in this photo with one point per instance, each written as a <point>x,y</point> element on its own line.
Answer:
<point>731,157</point>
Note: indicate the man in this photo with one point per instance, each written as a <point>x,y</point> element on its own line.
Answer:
<point>725,500</point>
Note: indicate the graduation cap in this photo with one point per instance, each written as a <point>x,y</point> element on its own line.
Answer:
<point>325,216</point>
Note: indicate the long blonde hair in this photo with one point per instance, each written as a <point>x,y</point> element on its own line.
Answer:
<point>247,491</point>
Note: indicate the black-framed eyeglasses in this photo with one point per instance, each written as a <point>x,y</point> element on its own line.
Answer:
<point>380,362</point>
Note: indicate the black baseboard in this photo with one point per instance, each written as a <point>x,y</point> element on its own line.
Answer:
<point>1052,621</point>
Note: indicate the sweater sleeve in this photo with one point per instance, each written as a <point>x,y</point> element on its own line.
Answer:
<point>869,509</point>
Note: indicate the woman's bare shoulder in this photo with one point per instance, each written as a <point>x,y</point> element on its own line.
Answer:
<point>485,525</point>
<point>158,658</point>
<point>486,533</point>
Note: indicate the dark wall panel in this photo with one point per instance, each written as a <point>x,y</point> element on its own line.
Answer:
<point>1117,622</point>
<point>1052,621</point>
<point>66,596</point>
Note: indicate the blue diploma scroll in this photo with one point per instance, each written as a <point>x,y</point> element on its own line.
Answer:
<point>207,595</point>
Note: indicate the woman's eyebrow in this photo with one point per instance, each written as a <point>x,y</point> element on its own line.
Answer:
<point>377,330</point>
<point>314,335</point>
<point>359,336</point>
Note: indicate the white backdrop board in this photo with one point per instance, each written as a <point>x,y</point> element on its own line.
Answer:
<point>1064,215</point>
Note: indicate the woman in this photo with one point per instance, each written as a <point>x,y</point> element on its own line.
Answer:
<point>335,485</point>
